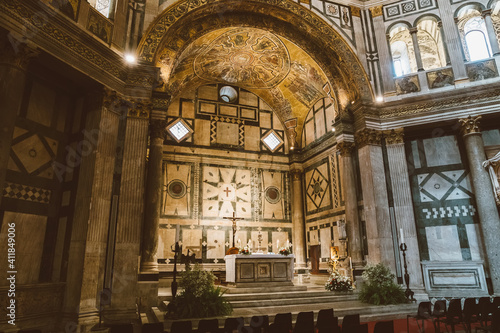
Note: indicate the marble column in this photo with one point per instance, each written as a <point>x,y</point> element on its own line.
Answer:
<point>492,36</point>
<point>416,49</point>
<point>485,197</point>
<point>130,215</point>
<point>14,60</point>
<point>87,250</point>
<point>153,197</point>
<point>452,40</point>
<point>384,51</point>
<point>445,47</point>
<point>298,222</point>
<point>403,205</point>
<point>375,200</point>
<point>351,203</point>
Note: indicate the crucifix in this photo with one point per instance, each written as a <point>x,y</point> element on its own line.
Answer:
<point>233,219</point>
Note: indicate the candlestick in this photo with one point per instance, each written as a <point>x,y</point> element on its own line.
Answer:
<point>408,292</point>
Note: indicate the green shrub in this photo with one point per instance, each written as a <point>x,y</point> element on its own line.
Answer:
<point>200,298</point>
<point>379,287</point>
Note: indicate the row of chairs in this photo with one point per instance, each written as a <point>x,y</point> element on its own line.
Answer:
<point>484,312</point>
<point>325,323</point>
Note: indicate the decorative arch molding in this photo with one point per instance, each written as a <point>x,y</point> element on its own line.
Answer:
<point>318,38</point>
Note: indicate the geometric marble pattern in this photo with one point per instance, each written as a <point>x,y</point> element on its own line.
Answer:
<point>447,185</point>
<point>453,211</point>
<point>317,188</point>
<point>28,193</point>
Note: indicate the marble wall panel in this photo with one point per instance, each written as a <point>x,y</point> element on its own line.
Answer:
<point>279,240</point>
<point>177,190</point>
<point>273,194</point>
<point>166,239</point>
<point>215,244</point>
<point>442,151</point>
<point>326,241</point>
<point>473,236</point>
<point>241,238</point>
<point>29,237</point>
<point>443,242</point>
<point>264,242</point>
<point>192,240</point>
<point>317,187</point>
<point>313,237</point>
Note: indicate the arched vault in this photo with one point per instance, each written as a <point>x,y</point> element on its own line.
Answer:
<point>279,50</point>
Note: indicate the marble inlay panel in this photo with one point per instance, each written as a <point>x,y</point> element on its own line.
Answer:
<point>326,241</point>
<point>443,242</point>
<point>215,244</point>
<point>442,151</point>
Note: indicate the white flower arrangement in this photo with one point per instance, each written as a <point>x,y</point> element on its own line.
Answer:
<point>338,282</point>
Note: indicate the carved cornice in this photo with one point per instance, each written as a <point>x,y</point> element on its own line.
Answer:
<point>141,109</point>
<point>16,53</point>
<point>376,11</point>
<point>158,129</point>
<point>394,136</point>
<point>345,148</point>
<point>368,136</point>
<point>470,125</point>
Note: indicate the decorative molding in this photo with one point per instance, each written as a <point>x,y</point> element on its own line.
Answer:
<point>16,53</point>
<point>158,129</point>
<point>345,148</point>
<point>376,11</point>
<point>368,136</point>
<point>470,125</point>
<point>394,136</point>
<point>296,174</point>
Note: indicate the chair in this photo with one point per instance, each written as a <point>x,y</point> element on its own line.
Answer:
<point>152,328</point>
<point>496,303</point>
<point>361,328</point>
<point>121,328</point>
<point>495,324</point>
<point>208,325</point>
<point>29,331</point>
<point>260,322</point>
<point>384,327</point>
<point>438,312</point>
<point>350,322</point>
<point>469,313</point>
<point>326,322</point>
<point>454,313</point>
<point>423,313</point>
<point>181,327</point>
<point>304,323</point>
<point>282,323</point>
<point>484,307</point>
<point>231,324</point>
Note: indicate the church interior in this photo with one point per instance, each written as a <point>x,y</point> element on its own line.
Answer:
<point>343,128</point>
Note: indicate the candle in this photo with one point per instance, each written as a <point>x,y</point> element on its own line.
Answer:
<point>239,242</point>
<point>350,263</point>
<point>177,233</point>
<point>278,244</point>
<point>402,237</point>
<point>287,243</point>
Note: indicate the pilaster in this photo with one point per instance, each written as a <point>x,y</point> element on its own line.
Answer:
<point>485,197</point>
<point>298,221</point>
<point>376,205</point>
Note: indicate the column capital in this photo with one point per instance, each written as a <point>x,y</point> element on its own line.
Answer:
<point>345,148</point>
<point>141,109</point>
<point>158,128</point>
<point>368,136</point>
<point>470,125</point>
<point>394,136</point>
<point>413,30</point>
<point>15,53</point>
<point>440,24</point>
<point>486,12</point>
<point>296,174</point>
<point>376,11</point>
<point>355,11</point>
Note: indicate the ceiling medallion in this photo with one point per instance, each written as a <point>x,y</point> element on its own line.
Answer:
<point>249,57</point>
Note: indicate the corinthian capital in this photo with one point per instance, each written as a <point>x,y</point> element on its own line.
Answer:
<point>368,136</point>
<point>394,136</point>
<point>14,52</point>
<point>470,125</point>
<point>345,148</point>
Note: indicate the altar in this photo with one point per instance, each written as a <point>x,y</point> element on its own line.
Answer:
<point>259,270</point>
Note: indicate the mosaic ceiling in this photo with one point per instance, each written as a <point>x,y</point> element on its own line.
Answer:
<point>272,67</point>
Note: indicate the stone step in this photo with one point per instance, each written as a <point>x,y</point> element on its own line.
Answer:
<point>288,295</point>
<point>290,301</point>
<point>266,290</point>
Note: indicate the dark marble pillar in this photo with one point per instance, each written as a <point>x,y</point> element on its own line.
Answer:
<point>298,219</point>
<point>485,198</point>
<point>149,263</point>
<point>14,59</point>
<point>354,244</point>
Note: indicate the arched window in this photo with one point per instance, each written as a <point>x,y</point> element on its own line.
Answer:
<point>475,39</point>
<point>403,55</point>
<point>431,44</point>
<point>103,6</point>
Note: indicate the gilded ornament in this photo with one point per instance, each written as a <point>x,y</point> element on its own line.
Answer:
<point>15,52</point>
<point>345,148</point>
<point>355,11</point>
<point>394,136</point>
<point>368,136</point>
<point>296,174</point>
<point>470,125</point>
<point>141,109</point>
<point>376,11</point>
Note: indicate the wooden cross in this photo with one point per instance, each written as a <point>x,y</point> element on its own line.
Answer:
<point>234,219</point>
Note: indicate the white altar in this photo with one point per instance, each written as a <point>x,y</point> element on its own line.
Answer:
<point>259,270</point>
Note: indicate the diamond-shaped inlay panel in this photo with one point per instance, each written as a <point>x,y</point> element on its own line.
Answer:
<point>32,153</point>
<point>272,141</point>
<point>447,185</point>
<point>317,187</point>
<point>28,193</point>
